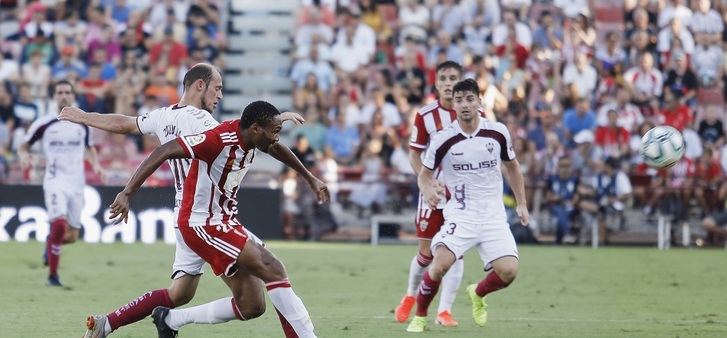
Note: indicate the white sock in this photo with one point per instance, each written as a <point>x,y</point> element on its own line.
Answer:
<point>450,285</point>
<point>107,327</point>
<point>292,308</point>
<point>415,276</point>
<point>218,311</point>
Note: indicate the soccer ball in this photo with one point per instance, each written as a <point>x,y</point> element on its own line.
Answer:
<point>662,146</point>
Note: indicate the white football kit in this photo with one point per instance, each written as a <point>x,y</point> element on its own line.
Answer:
<point>64,145</point>
<point>168,123</point>
<point>474,216</point>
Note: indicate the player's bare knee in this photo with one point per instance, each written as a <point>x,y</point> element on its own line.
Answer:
<point>507,274</point>
<point>180,296</point>
<point>250,310</point>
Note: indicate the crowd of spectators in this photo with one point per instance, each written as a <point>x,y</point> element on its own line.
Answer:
<point>124,57</point>
<point>572,79</point>
<point>580,80</point>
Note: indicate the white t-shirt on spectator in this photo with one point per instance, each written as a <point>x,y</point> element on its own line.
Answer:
<point>8,69</point>
<point>353,116</point>
<point>723,158</point>
<point>304,35</point>
<point>389,112</point>
<point>400,161</point>
<point>450,19</point>
<point>364,38</point>
<point>491,12</point>
<point>413,22</point>
<point>158,13</point>
<point>669,12</point>
<point>522,31</point>
<point>585,80</point>
<point>666,36</point>
<point>693,142</point>
<point>706,61</point>
<point>572,8</point>
<point>710,22</point>
<point>348,57</point>
<point>629,117</point>
<point>649,83</point>
<point>324,73</point>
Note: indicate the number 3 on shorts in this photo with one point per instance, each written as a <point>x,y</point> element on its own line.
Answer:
<point>452,226</point>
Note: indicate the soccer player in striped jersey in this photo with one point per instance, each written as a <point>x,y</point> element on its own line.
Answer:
<point>190,116</point>
<point>64,146</point>
<point>208,220</point>
<point>470,155</point>
<point>430,119</point>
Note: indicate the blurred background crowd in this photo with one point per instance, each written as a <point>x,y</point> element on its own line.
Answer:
<point>577,83</point>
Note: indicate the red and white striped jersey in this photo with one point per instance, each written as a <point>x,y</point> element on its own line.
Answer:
<point>210,189</point>
<point>429,120</point>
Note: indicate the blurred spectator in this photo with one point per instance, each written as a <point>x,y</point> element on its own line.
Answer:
<point>413,20</point>
<point>322,71</point>
<point>9,69</point>
<point>706,23</point>
<point>705,179</point>
<point>360,35</point>
<point>581,76</point>
<point>611,57</point>
<point>510,22</point>
<point>68,66</point>
<point>708,61</point>
<point>681,80</point>
<point>675,9</point>
<point>546,123</point>
<point>447,16</point>
<point>370,193</point>
<point>667,36</point>
<point>171,51</point>
<point>561,198</point>
<point>159,11</point>
<point>179,30</point>
<point>573,8</point>
<point>629,116</point>
<point>612,138</point>
<point>304,152</point>
<point>342,138</point>
<point>674,113</point>
<point>548,35</point>
<point>347,55</point>
<point>379,104</point>
<point>37,75</point>
<point>611,189</point>
<point>446,47</point>
<point>579,118</point>
<point>711,129</point>
<point>645,83</point>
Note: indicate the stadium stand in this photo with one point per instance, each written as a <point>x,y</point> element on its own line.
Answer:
<point>358,70</point>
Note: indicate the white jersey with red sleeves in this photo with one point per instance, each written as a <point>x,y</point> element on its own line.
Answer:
<point>64,146</point>
<point>470,167</point>
<point>210,189</point>
<point>168,123</point>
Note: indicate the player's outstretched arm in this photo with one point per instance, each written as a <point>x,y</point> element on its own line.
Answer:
<point>514,177</point>
<point>283,154</point>
<point>431,189</point>
<point>114,123</point>
<point>120,208</point>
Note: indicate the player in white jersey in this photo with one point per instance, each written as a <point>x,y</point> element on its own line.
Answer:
<point>430,119</point>
<point>470,154</point>
<point>208,220</point>
<point>64,145</point>
<point>203,85</point>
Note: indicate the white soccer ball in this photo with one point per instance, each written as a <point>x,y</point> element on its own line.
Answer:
<point>662,146</point>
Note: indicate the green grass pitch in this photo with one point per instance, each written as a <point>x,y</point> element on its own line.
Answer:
<point>351,291</point>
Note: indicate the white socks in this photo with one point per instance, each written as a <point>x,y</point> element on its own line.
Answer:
<point>218,311</point>
<point>292,308</point>
<point>450,286</point>
<point>416,270</point>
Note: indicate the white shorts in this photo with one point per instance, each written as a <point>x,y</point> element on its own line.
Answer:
<point>491,242</point>
<point>64,202</point>
<point>186,261</point>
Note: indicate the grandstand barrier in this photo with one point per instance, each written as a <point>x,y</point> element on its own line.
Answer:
<point>23,215</point>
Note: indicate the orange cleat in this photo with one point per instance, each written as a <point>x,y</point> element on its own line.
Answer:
<point>445,319</point>
<point>404,308</point>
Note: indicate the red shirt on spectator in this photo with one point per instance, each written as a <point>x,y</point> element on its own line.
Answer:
<point>705,173</point>
<point>611,138</point>
<point>175,52</point>
<point>519,53</point>
<point>679,118</point>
